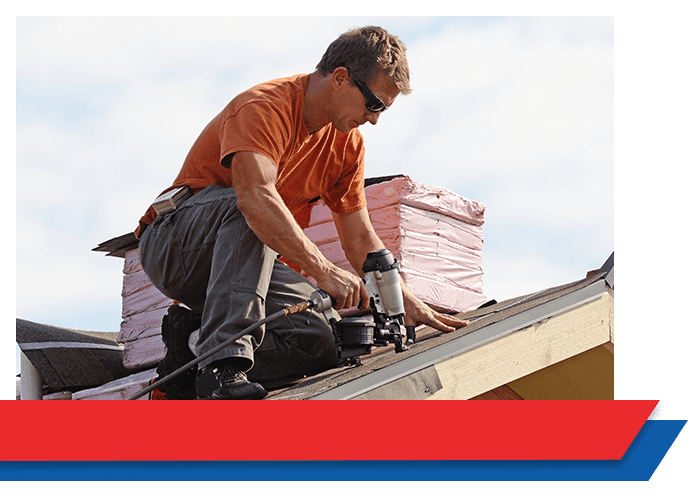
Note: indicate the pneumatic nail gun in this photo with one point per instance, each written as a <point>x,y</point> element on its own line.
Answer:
<point>357,336</point>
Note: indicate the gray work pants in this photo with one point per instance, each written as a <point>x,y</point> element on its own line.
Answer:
<point>204,255</point>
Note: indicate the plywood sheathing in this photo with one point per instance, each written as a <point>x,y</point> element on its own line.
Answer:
<point>586,376</point>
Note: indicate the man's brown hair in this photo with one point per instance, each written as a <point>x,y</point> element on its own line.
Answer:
<point>364,51</point>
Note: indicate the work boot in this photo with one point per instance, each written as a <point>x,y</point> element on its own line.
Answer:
<point>221,380</point>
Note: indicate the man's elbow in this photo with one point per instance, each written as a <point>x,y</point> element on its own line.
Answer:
<point>253,201</point>
<point>246,202</point>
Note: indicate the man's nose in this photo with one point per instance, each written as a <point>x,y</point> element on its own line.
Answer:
<point>373,118</point>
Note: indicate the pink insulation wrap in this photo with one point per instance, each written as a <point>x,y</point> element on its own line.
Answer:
<point>138,295</point>
<point>143,307</point>
<point>404,191</point>
<point>434,233</point>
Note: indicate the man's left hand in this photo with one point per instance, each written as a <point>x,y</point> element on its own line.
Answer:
<point>418,313</point>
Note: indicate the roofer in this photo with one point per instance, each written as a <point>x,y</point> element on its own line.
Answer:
<point>279,145</point>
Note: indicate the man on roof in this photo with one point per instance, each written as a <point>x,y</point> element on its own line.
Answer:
<point>255,170</point>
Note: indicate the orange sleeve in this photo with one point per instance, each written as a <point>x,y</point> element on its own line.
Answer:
<point>258,127</point>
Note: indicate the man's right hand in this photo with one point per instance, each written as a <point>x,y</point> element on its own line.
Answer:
<point>347,289</point>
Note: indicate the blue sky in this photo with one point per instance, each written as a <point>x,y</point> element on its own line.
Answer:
<point>516,113</point>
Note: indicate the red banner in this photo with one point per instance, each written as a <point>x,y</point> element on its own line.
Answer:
<point>320,430</point>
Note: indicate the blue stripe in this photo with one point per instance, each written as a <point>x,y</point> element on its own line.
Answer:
<point>639,463</point>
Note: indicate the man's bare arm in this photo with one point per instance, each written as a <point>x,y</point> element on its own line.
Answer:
<point>358,238</point>
<point>253,179</point>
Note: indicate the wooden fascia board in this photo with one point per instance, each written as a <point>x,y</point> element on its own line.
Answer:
<point>588,375</point>
<point>529,350</point>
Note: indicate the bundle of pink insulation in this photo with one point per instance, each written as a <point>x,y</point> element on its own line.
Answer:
<point>435,235</point>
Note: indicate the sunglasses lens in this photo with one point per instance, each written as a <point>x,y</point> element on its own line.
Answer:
<point>373,103</point>
<point>375,106</point>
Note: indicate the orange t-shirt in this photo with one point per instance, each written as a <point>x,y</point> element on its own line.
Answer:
<point>267,119</point>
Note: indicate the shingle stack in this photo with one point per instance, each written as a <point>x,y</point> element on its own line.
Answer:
<point>143,308</point>
<point>435,234</point>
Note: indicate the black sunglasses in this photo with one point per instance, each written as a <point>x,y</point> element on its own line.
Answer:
<point>373,103</point>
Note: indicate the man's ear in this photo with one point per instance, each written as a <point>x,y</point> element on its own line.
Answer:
<point>339,77</point>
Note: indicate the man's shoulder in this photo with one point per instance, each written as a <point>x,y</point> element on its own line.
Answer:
<point>277,90</point>
<point>294,82</point>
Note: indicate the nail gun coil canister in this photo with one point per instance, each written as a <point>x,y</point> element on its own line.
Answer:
<point>355,332</point>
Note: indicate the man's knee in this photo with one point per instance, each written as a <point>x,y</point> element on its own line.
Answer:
<point>316,333</point>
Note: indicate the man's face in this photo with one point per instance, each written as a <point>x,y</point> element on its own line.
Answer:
<point>352,110</point>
